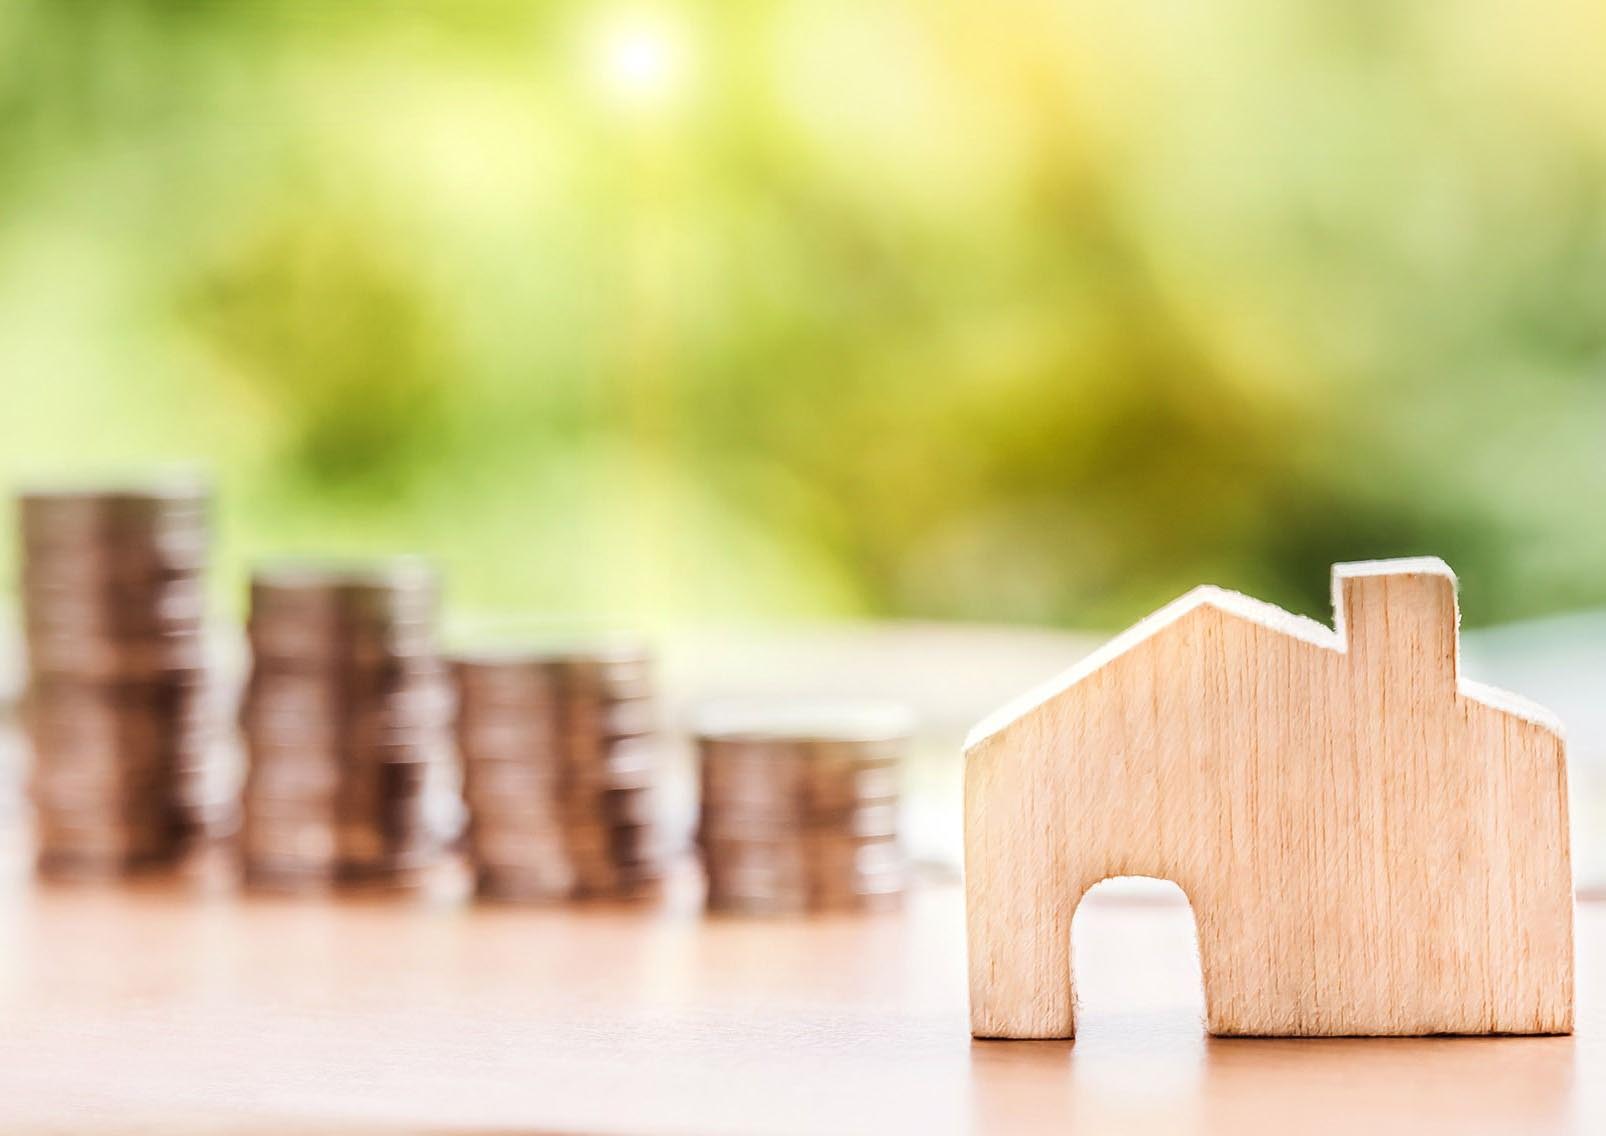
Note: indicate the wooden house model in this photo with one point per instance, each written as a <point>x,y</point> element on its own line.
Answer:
<point>1370,844</point>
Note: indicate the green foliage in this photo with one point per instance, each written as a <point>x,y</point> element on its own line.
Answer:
<point>1022,311</point>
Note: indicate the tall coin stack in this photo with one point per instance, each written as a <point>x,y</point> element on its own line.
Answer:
<point>800,807</point>
<point>126,773</point>
<point>347,727</point>
<point>560,770</point>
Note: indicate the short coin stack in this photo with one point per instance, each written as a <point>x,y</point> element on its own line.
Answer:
<point>560,769</point>
<point>346,720</point>
<point>800,807</point>
<point>126,773</point>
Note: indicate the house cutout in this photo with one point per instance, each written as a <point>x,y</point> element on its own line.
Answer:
<point>1371,844</point>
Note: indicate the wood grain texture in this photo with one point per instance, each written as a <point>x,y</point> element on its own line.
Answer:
<point>1371,845</point>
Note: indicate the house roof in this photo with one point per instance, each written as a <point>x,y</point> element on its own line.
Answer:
<point>1255,611</point>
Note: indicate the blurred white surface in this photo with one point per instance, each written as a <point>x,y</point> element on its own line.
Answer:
<point>952,675</point>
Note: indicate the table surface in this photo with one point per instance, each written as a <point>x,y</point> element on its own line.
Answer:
<point>151,1008</point>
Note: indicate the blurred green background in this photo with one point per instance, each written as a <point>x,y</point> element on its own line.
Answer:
<point>1010,311</point>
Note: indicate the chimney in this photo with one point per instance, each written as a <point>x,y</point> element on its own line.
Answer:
<point>1400,623</point>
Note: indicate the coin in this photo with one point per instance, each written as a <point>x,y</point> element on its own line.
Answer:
<point>561,769</point>
<point>800,806</point>
<point>118,708</point>
<point>347,727</point>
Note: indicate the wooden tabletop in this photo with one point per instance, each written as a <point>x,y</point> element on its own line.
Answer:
<point>155,1009</point>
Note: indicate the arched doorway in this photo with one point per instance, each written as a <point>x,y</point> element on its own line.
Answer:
<point>1135,964</point>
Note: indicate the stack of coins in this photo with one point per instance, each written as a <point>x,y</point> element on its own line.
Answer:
<point>347,727</point>
<point>560,770</point>
<point>509,739</point>
<point>126,770</point>
<point>800,807</point>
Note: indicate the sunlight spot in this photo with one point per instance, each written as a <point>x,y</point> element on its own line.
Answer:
<point>640,60</point>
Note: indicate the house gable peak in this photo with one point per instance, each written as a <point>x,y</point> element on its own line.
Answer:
<point>1230,603</point>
